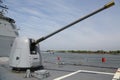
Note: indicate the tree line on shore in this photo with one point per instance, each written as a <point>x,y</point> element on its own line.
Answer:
<point>86,51</point>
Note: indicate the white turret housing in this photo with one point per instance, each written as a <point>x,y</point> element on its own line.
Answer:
<point>23,56</point>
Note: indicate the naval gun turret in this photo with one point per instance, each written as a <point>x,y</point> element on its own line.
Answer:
<point>25,52</point>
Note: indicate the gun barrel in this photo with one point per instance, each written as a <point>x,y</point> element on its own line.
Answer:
<point>69,25</point>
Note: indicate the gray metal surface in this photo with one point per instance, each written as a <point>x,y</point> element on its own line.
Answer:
<point>57,71</point>
<point>8,32</point>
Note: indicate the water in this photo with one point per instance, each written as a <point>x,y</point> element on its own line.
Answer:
<point>112,61</point>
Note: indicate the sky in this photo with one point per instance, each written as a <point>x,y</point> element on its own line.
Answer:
<point>38,18</point>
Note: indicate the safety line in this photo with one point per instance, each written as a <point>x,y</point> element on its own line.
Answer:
<point>73,73</point>
<point>117,75</point>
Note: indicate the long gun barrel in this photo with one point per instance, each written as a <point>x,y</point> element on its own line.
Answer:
<point>69,25</point>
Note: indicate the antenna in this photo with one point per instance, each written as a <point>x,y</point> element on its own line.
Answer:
<point>3,8</point>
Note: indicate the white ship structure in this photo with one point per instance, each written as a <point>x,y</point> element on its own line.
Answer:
<point>8,32</point>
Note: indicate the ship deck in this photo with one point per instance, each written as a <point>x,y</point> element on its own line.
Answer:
<point>61,72</point>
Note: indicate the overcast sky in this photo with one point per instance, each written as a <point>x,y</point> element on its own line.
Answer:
<point>37,18</point>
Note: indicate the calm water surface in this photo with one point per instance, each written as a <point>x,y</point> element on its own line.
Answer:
<point>84,59</point>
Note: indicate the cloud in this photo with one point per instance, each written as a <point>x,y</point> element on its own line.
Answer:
<point>38,18</point>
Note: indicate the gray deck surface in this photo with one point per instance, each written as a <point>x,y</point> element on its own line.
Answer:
<point>88,67</point>
<point>57,71</point>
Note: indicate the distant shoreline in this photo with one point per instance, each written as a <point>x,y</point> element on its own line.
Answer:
<point>86,51</point>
